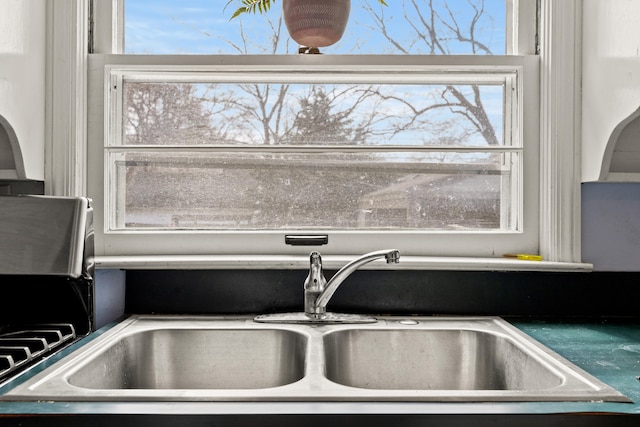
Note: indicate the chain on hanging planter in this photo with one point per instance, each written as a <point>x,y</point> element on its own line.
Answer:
<point>316,23</point>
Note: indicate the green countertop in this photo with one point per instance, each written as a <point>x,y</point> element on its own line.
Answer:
<point>610,350</point>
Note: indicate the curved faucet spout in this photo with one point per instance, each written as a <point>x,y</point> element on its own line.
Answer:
<point>321,299</point>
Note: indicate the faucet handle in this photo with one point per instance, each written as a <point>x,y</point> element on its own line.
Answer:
<point>314,285</point>
<point>315,281</point>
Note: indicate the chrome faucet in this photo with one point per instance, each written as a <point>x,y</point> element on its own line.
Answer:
<point>318,292</point>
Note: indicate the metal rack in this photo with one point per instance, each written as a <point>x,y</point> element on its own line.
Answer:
<point>20,347</point>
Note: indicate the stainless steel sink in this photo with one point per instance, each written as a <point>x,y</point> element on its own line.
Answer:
<point>177,358</point>
<point>196,359</point>
<point>416,359</point>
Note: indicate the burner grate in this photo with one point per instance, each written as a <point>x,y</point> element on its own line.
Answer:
<point>21,346</point>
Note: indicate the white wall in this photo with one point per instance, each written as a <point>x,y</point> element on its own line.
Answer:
<point>611,75</point>
<point>22,77</point>
<point>610,228</point>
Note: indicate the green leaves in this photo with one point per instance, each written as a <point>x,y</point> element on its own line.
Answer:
<point>251,6</point>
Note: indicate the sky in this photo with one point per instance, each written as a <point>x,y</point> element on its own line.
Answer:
<point>204,27</point>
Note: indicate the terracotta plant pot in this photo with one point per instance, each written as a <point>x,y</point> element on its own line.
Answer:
<point>316,23</point>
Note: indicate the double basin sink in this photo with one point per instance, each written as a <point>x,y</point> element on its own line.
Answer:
<point>179,358</point>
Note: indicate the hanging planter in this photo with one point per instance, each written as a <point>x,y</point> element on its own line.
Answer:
<point>311,23</point>
<point>316,23</point>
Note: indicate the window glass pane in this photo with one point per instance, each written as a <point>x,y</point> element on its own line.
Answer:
<point>313,114</point>
<point>297,156</point>
<point>357,191</point>
<point>403,27</point>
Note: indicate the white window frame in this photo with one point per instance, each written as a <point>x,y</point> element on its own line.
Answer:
<point>559,124</point>
<point>296,68</point>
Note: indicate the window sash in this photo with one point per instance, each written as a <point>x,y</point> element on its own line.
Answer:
<point>462,243</point>
<point>505,76</point>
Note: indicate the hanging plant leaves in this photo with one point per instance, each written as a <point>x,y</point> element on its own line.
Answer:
<point>251,6</point>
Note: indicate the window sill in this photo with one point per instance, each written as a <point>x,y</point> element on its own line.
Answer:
<point>277,262</point>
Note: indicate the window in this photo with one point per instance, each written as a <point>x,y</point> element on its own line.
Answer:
<point>430,145</point>
<point>556,237</point>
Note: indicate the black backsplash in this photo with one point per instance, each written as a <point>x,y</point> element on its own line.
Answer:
<point>34,299</point>
<point>595,294</point>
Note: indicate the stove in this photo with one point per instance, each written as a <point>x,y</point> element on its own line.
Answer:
<point>46,278</point>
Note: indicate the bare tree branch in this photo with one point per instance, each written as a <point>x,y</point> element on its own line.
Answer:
<point>435,31</point>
